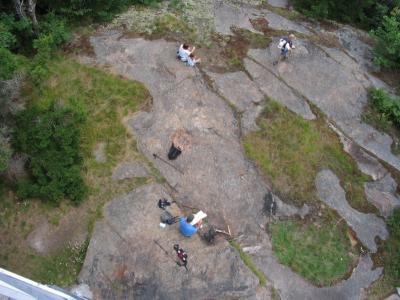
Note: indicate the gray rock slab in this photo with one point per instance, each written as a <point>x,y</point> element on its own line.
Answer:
<point>352,41</point>
<point>82,290</point>
<point>123,261</point>
<point>239,15</point>
<point>228,14</point>
<point>243,93</point>
<point>217,179</point>
<point>274,88</point>
<point>383,194</point>
<point>278,3</point>
<point>393,297</point>
<point>333,89</point>
<point>366,226</point>
<point>129,170</point>
<point>365,162</point>
<point>278,22</point>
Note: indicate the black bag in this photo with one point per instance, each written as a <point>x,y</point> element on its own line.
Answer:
<point>167,218</point>
<point>209,236</point>
<point>163,203</point>
<point>173,152</point>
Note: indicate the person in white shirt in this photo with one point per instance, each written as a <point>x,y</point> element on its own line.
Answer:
<point>192,60</point>
<point>184,51</point>
<point>286,45</point>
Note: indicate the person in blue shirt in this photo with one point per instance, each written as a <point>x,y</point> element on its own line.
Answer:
<point>185,227</point>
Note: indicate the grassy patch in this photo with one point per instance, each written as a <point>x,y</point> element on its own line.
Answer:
<point>290,151</point>
<point>388,256</point>
<point>319,254</point>
<point>107,99</point>
<point>61,268</point>
<point>249,263</point>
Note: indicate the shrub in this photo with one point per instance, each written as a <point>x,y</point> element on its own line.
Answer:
<point>387,48</point>
<point>367,13</point>
<point>5,151</point>
<point>392,248</point>
<point>387,106</point>
<point>51,138</point>
<point>8,63</point>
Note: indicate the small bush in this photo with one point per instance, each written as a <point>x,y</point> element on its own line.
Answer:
<point>51,138</point>
<point>387,49</point>
<point>5,151</point>
<point>385,105</point>
<point>392,248</point>
<point>9,64</point>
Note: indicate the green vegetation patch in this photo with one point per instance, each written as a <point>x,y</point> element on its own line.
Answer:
<point>249,263</point>
<point>319,254</point>
<point>383,112</point>
<point>106,98</point>
<point>290,151</point>
<point>62,268</point>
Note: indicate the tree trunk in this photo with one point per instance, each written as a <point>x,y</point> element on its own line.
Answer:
<point>19,10</point>
<point>32,14</point>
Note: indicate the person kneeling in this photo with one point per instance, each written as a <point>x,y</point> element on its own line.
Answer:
<point>186,228</point>
<point>184,51</point>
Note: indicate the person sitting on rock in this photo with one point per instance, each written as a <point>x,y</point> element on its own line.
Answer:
<point>184,51</point>
<point>286,45</point>
<point>186,228</point>
<point>192,60</point>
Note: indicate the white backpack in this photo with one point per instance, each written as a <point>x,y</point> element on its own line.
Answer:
<point>282,43</point>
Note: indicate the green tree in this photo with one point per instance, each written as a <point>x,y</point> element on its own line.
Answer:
<point>387,36</point>
<point>51,138</point>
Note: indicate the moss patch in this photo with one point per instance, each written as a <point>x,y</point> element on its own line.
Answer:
<point>290,151</point>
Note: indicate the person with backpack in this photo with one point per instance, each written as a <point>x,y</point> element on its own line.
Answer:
<point>184,51</point>
<point>286,45</point>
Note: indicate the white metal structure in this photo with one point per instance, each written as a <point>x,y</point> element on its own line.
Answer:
<point>17,287</point>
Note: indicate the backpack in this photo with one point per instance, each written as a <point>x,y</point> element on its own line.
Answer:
<point>173,152</point>
<point>270,204</point>
<point>209,236</point>
<point>167,218</point>
<point>162,203</point>
<point>282,43</point>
